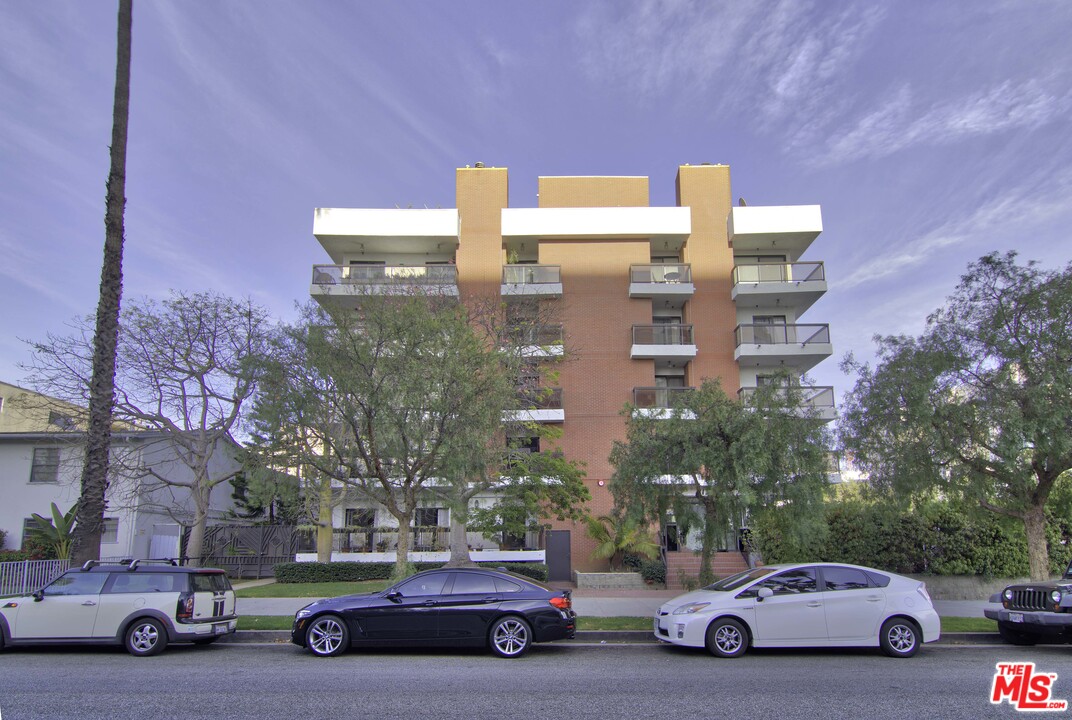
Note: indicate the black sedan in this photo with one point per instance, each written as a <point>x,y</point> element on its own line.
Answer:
<point>466,607</point>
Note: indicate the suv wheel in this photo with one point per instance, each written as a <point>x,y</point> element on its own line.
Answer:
<point>1010,634</point>
<point>146,637</point>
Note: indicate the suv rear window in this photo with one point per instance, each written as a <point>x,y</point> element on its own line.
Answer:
<point>210,582</point>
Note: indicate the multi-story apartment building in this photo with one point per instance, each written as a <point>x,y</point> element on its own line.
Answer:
<point>650,300</point>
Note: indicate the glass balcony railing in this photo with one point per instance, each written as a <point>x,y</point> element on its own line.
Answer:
<point>779,273</point>
<point>550,334</point>
<point>385,274</point>
<point>672,273</point>
<point>782,334</point>
<point>540,399</point>
<point>663,334</point>
<point>531,274</point>
<point>817,397</point>
<point>660,398</point>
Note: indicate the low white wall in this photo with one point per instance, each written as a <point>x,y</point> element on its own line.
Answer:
<point>481,556</point>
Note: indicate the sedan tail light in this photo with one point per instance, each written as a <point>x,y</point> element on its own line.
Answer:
<point>562,603</point>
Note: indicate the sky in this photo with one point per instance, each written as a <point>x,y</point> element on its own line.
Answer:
<point>931,133</point>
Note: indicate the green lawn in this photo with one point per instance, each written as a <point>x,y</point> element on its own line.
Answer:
<point>265,622</point>
<point>957,624</point>
<point>311,590</point>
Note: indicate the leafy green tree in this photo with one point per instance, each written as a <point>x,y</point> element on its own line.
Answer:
<point>56,533</point>
<point>715,459</point>
<point>387,397</point>
<point>980,405</point>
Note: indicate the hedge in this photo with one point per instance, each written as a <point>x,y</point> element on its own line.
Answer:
<point>936,538</point>
<point>302,572</point>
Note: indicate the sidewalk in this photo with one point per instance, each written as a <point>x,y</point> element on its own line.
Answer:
<point>590,603</point>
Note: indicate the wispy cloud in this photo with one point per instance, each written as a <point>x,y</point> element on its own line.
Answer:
<point>897,124</point>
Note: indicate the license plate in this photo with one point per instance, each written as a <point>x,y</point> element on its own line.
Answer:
<point>1016,617</point>
<point>656,624</point>
<point>219,629</point>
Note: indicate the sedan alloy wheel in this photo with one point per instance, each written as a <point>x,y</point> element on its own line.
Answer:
<point>327,636</point>
<point>727,638</point>
<point>899,638</point>
<point>510,637</point>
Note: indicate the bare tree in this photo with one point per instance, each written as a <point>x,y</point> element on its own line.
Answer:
<point>90,518</point>
<point>186,367</point>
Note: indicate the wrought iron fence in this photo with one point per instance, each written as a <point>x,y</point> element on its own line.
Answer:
<point>27,576</point>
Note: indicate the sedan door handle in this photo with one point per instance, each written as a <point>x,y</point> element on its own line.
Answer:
<point>430,603</point>
<point>874,599</point>
<point>491,599</point>
<point>815,604</point>
<point>89,603</point>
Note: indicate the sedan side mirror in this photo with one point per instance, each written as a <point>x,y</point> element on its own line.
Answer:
<point>39,596</point>
<point>764,593</point>
<point>393,595</point>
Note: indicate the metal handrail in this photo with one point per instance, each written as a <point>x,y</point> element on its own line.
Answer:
<point>664,334</point>
<point>385,274</point>
<point>782,334</point>
<point>668,273</point>
<point>531,274</point>
<point>816,396</point>
<point>779,273</point>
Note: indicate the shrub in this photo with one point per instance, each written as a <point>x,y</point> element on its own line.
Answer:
<point>653,571</point>
<point>3,536</point>
<point>303,572</point>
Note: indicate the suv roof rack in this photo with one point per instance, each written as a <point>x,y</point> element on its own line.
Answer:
<point>134,563</point>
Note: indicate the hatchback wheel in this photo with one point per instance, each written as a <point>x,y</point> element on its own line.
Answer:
<point>146,637</point>
<point>899,638</point>
<point>510,637</point>
<point>327,636</point>
<point>727,638</point>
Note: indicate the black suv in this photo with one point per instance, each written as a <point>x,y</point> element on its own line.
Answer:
<point>1035,611</point>
<point>142,605</point>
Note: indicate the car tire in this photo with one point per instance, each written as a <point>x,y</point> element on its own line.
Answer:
<point>145,637</point>
<point>727,638</point>
<point>510,637</point>
<point>899,638</point>
<point>327,636</point>
<point>1014,636</point>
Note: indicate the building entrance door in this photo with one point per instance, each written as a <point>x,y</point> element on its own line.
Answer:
<point>559,568</point>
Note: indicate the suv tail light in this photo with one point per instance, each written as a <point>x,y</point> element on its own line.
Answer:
<point>185,609</point>
<point>562,603</point>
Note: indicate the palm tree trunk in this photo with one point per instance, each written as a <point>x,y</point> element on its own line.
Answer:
<point>86,540</point>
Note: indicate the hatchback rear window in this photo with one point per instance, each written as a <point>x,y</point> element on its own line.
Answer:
<point>210,582</point>
<point>138,582</point>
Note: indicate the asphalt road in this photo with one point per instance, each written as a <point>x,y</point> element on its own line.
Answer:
<point>553,681</point>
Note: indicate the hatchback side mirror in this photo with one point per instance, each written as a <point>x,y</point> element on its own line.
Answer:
<point>764,593</point>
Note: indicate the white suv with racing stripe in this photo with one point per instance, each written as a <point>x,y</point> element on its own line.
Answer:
<point>140,605</point>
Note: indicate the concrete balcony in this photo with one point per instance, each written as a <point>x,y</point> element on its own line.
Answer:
<point>541,406</point>
<point>815,400</point>
<point>800,347</point>
<point>532,280</point>
<point>774,229</point>
<point>347,282</point>
<point>358,231</point>
<point>663,342</point>
<point>663,281</point>
<point>661,402</point>
<point>789,285</point>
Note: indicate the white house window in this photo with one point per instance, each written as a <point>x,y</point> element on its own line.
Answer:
<point>46,465</point>
<point>427,517</point>
<point>110,531</point>
<point>64,422</point>
<point>28,526</point>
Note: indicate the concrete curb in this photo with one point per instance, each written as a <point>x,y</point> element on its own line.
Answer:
<point>618,637</point>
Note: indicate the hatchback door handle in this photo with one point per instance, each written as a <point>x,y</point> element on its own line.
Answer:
<point>89,603</point>
<point>815,604</point>
<point>873,599</point>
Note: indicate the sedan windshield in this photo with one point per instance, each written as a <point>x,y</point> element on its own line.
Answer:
<point>741,579</point>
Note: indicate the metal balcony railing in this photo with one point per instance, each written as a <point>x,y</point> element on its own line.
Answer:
<point>422,539</point>
<point>818,397</point>
<point>660,398</point>
<point>802,335</point>
<point>664,334</point>
<point>670,273</point>
<point>779,273</point>
<point>385,274</point>
<point>541,399</point>
<point>550,334</point>
<point>531,274</point>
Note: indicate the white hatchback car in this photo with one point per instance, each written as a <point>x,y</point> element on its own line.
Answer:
<point>803,605</point>
<point>142,606</point>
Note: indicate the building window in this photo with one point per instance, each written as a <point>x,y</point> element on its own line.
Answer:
<point>110,531</point>
<point>46,465</point>
<point>28,527</point>
<point>360,517</point>
<point>64,422</point>
<point>427,517</point>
